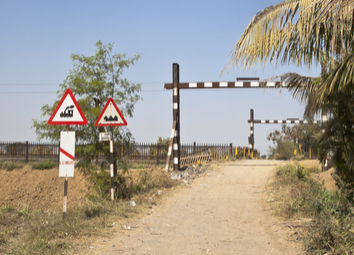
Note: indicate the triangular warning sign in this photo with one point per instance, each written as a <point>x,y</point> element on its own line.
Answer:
<point>110,116</point>
<point>67,112</point>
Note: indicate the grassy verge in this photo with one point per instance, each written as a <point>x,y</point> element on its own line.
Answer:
<point>24,231</point>
<point>11,165</point>
<point>297,196</point>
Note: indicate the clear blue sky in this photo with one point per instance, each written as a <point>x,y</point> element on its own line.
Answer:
<point>37,38</point>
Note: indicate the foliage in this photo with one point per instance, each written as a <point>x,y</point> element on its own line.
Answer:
<point>163,144</point>
<point>42,165</point>
<point>301,32</point>
<point>41,150</point>
<point>332,213</point>
<point>300,137</point>
<point>124,186</point>
<point>93,79</point>
<point>11,165</point>
<point>337,139</point>
<point>25,211</point>
<point>282,149</point>
<point>296,31</point>
<point>292,170</point>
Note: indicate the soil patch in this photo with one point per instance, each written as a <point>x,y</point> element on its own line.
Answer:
<point>41,189</point>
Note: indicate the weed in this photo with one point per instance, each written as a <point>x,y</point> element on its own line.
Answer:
<point>292,170</point>
<point>25,211</point>
<point>46,233</point>
<point>11,165</point>
<point>42,165</point>
<point>331,230</point>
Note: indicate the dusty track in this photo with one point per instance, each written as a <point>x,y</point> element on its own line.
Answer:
<point>221,213</point>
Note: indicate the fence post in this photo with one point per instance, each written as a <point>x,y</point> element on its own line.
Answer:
<point>26,152</point>
<point>158,154</point>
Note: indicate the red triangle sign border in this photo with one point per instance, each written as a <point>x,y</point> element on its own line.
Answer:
<point>68,92</point>
<point>110,100</point>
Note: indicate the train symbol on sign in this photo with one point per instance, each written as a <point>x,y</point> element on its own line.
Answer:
<point>68,112</point>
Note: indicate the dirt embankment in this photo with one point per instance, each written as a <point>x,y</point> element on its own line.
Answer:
<point>42,189</point>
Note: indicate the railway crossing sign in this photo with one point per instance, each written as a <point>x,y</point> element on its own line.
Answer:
<point>110,115</point>
<point>67,154</point>
<point>67,112</point>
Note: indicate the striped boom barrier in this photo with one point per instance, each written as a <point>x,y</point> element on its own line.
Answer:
<point>283,121</point>
<point>227,84</point>
<point>252,121</point>
<point>239,83</point>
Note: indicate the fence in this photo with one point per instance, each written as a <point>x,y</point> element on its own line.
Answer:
<point>28,150</point>
<point>136,151</point>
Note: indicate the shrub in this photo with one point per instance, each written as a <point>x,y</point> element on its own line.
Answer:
<point>331,230</point>
<point>42,165</point>
<point>11,165</point>
<point>295,170</point>
<point>282,150</point>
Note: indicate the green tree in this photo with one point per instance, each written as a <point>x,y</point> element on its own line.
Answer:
<point>93,79</point>
<point>288,139</point>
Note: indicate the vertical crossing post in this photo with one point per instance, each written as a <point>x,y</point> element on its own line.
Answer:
<point>251,138</point>
<point>176,117</point>
<point>324,119</point>
<point>111,166</point>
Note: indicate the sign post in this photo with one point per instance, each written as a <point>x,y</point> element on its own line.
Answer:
<point>67,112</point>
<point>110,116</point>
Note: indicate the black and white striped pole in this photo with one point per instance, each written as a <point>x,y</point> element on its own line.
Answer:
<point>251,138</point>
<point>176,118</point>
<point>65,197</point>
<point>111,166</point>
<point>110,116</point>
<point>324,119</point>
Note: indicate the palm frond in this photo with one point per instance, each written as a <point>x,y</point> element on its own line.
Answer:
<point>295,31</point>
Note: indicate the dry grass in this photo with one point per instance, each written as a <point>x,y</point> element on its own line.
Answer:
<point>297,195</point>
<point>27,231</point>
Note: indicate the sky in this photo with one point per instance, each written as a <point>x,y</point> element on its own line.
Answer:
<point>38,37</point>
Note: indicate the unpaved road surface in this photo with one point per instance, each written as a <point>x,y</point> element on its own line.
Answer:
<point>223,212</point>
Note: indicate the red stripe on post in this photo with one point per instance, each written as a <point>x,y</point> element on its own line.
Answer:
<point>67,154</point>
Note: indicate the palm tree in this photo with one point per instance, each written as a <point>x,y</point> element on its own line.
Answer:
<point>301,32</point>
<point>307,32</point>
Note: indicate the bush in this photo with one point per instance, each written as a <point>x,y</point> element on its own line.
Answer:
<point>11,165</point>
<point>42,165</point>
<point>282,150</point>
<point>331,230</point>
<point>295,170</point>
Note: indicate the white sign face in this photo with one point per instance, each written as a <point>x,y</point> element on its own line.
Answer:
<point>110,115</point>
<point>106,136</point>
<point>67,112</point>
<point>67,154</point>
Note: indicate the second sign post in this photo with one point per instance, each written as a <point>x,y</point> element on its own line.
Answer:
<point>110,117</point>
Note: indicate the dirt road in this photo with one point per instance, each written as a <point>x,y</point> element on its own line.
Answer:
<point>221,213</point>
